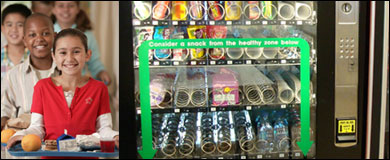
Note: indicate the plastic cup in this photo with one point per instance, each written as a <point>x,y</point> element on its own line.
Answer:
<point>107,145</point>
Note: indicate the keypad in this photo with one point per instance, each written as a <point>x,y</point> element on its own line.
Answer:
<point>347,46</point>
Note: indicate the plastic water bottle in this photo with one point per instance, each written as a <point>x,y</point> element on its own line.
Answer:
<point>265,135</point>
<point>295,133</point>
<point>282,140</point>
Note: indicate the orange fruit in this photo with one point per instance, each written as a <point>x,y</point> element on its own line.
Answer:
<point>31,142</point>
<point>6,135</point>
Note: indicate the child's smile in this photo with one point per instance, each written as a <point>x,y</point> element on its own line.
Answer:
<point>39,37</point>
<point>70,65</point>
<point>12,28</point>
<point>70,55</point>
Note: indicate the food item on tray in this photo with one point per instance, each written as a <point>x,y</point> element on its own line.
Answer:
<point>51,145</point>
<point>22,122</point>
<point>31,142</point>
<point>6,135</point>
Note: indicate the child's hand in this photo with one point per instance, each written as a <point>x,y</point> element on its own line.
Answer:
<point>103,76</point>
<point>13,140</point>
<point>116,138</point>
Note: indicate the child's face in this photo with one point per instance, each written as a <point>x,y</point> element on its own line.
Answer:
<point>70,55</point>
<point>65,11</point>
<point>42,8</point>
<point>12,28</point>
<point>39,37</point>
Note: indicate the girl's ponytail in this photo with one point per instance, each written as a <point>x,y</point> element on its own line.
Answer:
<point>82,21</point>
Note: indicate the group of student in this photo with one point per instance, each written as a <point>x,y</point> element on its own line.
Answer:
<point>43,72</point>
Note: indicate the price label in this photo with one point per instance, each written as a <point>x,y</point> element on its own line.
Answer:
<point>192,22</point>
<point>243,157</point>
<point>228,22</point>
<point>299,22</point>
<point>229,62</point>
<point>136,63</point>
<point>193,62</point>
<point>265,22</point>
<point>248,22</point>
<point>297,154</point>
<point>248,107</point>
<point>283,106</point>
<point>259,156</point>
<point>282,22</point>
<point>281,155</point>
<point>136,22</point>
<point>155,22</point>
<point>248,62</point>
<point>213,109</point>
<point>175,23</point>
<point>212,23</point>
<point>220,157</point>
<point>283,61</point>
<point>156,63</point>
<point>177,110</point>
<point>212,62</point>
<point>175,63</point>
<point>138,111</point>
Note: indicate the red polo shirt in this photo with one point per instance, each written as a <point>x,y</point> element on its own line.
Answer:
<point>89,102</point>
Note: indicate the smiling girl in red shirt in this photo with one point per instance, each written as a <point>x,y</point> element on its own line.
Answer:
<point>70,101</point>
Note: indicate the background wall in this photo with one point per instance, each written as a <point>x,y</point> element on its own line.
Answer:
<point>105,19</point>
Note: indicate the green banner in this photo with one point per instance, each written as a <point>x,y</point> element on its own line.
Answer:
<point>146,119</point>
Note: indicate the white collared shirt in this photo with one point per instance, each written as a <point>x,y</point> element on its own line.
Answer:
<point>18,86</point>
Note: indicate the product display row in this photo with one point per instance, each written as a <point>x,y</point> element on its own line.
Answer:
<point>222,10</point>
<point>223,86</point>
<point>265,133</point>
<point>219,55</point>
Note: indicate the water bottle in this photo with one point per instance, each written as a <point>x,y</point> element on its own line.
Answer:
<point>282,140</point>
<point>295,133</point>
<point>265,135</point>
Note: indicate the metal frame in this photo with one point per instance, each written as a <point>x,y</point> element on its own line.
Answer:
<point>378,82</point>
<point>325,147</point>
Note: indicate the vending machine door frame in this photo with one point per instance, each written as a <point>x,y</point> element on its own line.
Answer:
<point>325,147</point>
<point>127,115</point>
<point>377,80</point>
<point>325,117</point>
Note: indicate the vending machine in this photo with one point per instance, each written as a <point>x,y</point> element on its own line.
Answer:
<point>243,79</point>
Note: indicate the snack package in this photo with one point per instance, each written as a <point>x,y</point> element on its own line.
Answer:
<point>143,34</point>
<point>88,142</point>
<point>157,92</point>
<point>225,88</point>
<point>180,33</point>
<point>179,10</point>
<point>142,9</point>
<point>254,10</point>
<point>268,9</point>
<point>216,11</point>
<point>162,32</point>
<point>216,32</point>
<point>22,122</point>
<point>160,10</point>
<point>233,10</point>
<point>196,10</point>
<point>197,32</point>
